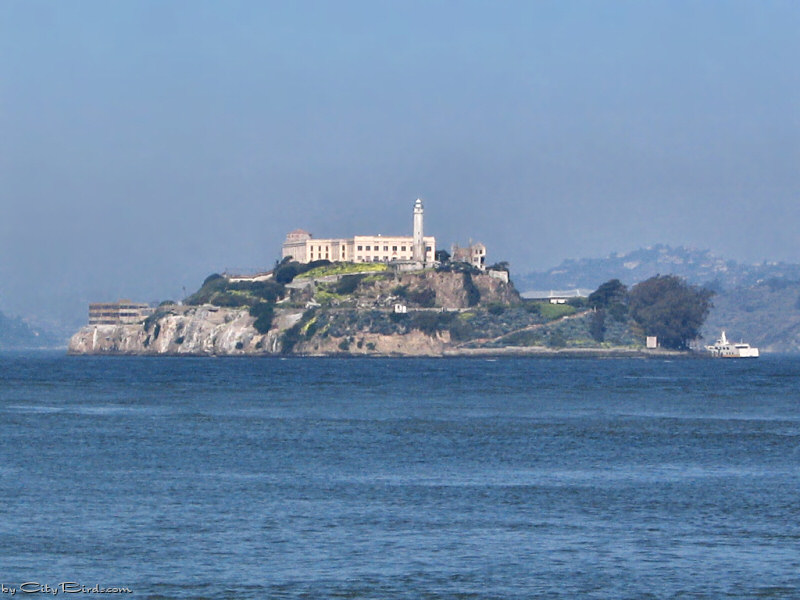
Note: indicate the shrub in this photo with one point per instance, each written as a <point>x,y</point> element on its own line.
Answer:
<point>264,313</point>
<point>239,345</point>
<point>425,298</point>
<point>496,309</point>
<point>213,283</point>
<point>597,325</point>
<point>534,308</point>
<point>556,339</point>
<point>431,322</point>
<point>401,291</point>
<point>577,302</point>
<point>348,284</point>
<point>211,278</point>
<point>286,272</point>
<point>461,330</point>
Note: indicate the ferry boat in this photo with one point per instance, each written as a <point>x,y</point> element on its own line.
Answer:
<point>725,349</point>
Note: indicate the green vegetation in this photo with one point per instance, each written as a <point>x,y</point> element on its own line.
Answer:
<point>297,332</point>
<point>342,268</point>
<point>348,284</point>
<point>424,297</point>
<point>264,313</point>
<point>430,322</point>
<point>551,312</point>
<point>668,307</point>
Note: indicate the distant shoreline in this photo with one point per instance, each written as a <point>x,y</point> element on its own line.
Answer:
<point>505,352</point>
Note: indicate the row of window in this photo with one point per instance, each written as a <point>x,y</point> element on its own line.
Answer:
<point>386,248</point>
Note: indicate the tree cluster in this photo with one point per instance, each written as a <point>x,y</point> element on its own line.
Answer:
<point>663,306</point>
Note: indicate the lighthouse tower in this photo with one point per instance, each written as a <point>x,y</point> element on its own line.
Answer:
<point>419,243</point>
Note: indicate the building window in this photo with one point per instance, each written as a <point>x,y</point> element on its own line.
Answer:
<point>386,248</point>
<point>360,248</point>
<point>427,248</point>
<point>403,248</point>
<point>394,248</point>
<point>369,248</point>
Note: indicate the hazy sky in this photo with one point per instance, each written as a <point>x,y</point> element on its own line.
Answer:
<point>144,145</point>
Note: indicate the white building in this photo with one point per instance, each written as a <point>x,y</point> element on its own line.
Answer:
<point>302,247</point>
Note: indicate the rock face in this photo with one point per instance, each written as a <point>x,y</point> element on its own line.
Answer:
<point>324,316</point>
<point>203,330</point>
<point>453,289</point>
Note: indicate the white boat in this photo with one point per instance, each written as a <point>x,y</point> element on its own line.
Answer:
<point>726,349</point>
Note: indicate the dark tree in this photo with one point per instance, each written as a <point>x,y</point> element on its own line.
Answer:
<point>668,307</point>
<point>442,256</point>
<point>597,325</point>
<point>609,293</point>
<point>611,296</point>
<point>503,265</point>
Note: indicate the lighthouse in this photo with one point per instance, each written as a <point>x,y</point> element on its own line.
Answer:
<point>419,242</point>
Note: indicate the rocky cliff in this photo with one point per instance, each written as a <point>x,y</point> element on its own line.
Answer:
<point>203,330</point>
<point>428,313</point>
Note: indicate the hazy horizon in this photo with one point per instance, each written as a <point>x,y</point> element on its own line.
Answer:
<point>145,145</point>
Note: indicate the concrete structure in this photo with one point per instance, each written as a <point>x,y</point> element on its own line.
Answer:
<point>474,254</point>
<point>302,247</point>
<point>499,274</point>
<point>556,296</point>
<point>651,342</point>
<point>248,278</point>
<point>116,313</point>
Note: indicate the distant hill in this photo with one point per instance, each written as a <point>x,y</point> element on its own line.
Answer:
<point>766,315</point>
<point>699,267</point>
<point>16,333</point>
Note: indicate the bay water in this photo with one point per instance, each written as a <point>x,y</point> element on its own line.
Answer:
<point>400,478</point>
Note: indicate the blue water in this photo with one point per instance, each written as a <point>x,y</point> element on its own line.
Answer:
<point>335,478</point>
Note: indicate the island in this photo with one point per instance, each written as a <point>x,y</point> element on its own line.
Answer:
<point>321,308</point>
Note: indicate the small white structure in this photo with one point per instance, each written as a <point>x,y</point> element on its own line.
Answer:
<point>652,342</point>
<point>400,309</point>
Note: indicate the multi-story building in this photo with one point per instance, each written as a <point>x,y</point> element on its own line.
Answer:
<point>474,254</point>
<point>302,247</point>
<point>116,313</point>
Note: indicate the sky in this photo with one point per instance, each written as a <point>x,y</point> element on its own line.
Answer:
<point>145,145</point>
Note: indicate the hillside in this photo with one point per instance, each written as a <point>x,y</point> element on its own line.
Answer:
<point>699,267</point>
<point>766,315</point>
<point>17,334</point>
<point>356,309</point>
